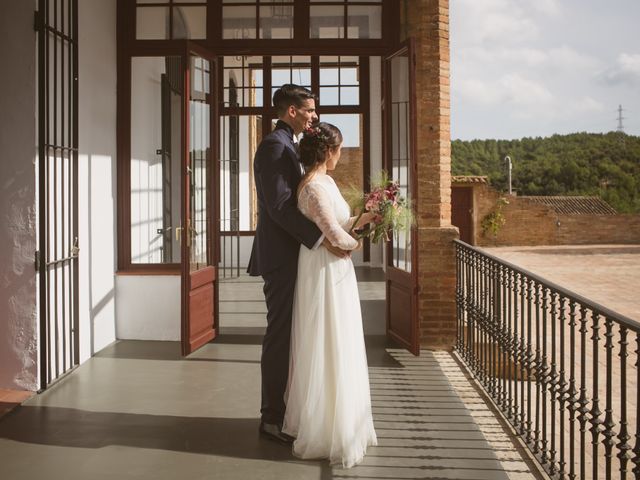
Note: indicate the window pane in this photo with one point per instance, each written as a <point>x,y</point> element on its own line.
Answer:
<point>349,76</point>
<point>327,21</point>
<point>276,21</point>
<point>349,60</point>
<point>238,22</point>
<point>280,76</point>
<point>333,60</point>
<point>301,60</point>
<point>349,125</point>
<point>190,22</point>
<point>156,127</point>
<point>400,150</point>
<point>364,22</point>
<point>349,96</point>
<point>244,76</point>
<point>239,138</point>
<point>301,76</point>
<point>328,76</point>
<point>328,96</point>
<point>152,23</point>
<point>199,161</point>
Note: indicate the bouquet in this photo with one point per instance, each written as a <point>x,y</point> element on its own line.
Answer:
<point>392,211</point>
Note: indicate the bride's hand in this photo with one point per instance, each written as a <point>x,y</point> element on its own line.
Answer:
<point>367,217</point>
<point>338,252</point>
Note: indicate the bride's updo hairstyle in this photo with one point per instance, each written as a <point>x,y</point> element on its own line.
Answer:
<point>317,142</point>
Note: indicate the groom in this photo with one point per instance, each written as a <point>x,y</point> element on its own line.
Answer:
<point>280,231</point>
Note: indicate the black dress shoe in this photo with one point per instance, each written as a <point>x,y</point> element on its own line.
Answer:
<point>274,432</point>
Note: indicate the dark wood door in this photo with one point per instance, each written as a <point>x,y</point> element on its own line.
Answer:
<point>462,212</point>
<point>399,118</point>
<point>199,228</point>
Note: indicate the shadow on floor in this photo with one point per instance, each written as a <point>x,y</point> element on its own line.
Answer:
<point>377,345</point>
<point>69,427</point>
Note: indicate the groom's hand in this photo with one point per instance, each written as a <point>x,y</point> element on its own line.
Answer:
<point>338,252</point>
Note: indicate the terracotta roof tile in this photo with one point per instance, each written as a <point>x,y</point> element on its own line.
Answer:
<point>469,179</point>
<point>574,205</point>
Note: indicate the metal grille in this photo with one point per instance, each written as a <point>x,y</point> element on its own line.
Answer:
<point>562,369</point>
<point>57,258</point>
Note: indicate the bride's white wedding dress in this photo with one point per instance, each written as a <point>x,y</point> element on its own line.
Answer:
<point>328,398</point>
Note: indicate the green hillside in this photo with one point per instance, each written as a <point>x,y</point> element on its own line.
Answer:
<point>578,164</point>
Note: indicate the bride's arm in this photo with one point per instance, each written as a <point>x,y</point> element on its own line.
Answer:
<point>320,210</point>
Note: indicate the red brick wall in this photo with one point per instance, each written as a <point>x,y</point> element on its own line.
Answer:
<point>598,229</point>
<point>527,223</point>
<point>427,21</point>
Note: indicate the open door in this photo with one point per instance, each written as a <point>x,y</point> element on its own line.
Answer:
<point>199,226</point>
<point>399,117</point>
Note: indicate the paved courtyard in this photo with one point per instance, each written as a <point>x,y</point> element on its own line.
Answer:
<point>606,274</point>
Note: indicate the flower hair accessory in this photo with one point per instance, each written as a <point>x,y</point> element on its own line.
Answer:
<point>315,132</point>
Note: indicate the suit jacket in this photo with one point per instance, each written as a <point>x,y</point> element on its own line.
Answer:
<point>281,227</point>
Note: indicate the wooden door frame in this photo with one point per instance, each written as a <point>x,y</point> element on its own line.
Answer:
<point>393,274</point>
<point>212,202</point>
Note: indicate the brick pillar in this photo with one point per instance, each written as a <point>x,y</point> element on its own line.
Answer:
<point>427,21</point>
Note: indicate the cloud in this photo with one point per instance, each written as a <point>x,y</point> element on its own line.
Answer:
<point>551,8</point>
<point>512,89</point>
<point>563,57</point>
<point>523,91</point>
<point>587,105</point>
<point>478,92</point>
<point>492,21</point>
<point>626,70</point>
<point>569,58</point>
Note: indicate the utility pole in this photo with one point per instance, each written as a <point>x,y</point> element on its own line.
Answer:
<point>507,159</point>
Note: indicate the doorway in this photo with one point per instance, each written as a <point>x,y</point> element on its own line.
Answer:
<point>171,178</point>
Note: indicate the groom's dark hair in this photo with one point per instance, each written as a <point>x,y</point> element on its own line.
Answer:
<point>291,94</point>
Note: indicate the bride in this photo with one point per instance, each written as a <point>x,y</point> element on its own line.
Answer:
<point>328,399</point>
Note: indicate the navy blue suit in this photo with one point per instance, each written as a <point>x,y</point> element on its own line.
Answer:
<point>280,231</point>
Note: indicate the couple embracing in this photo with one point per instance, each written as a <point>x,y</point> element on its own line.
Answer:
<point>315,383</point>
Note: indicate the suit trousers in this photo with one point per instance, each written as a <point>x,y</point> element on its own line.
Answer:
<point>279,286</point>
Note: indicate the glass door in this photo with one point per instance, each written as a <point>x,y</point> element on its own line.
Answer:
<point>400,162</point>
<point>198,232</point>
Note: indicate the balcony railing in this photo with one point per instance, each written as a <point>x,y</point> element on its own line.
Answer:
<point>555,364</point>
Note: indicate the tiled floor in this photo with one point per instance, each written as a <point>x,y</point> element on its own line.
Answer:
<point>138,410</point>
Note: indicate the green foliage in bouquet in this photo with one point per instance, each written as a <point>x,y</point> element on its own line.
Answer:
<point>392,211</point>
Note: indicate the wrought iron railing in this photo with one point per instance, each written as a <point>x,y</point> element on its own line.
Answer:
<point>554,363</point>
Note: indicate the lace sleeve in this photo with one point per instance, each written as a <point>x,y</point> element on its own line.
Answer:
<point>349,223</point>
<point>320,210</point>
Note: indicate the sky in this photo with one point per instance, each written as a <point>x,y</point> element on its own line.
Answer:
<point>528,68</point>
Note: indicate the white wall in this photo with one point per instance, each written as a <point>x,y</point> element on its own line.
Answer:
<point>18,242</point>
<point>97,174</point>
<point>148,307</point>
